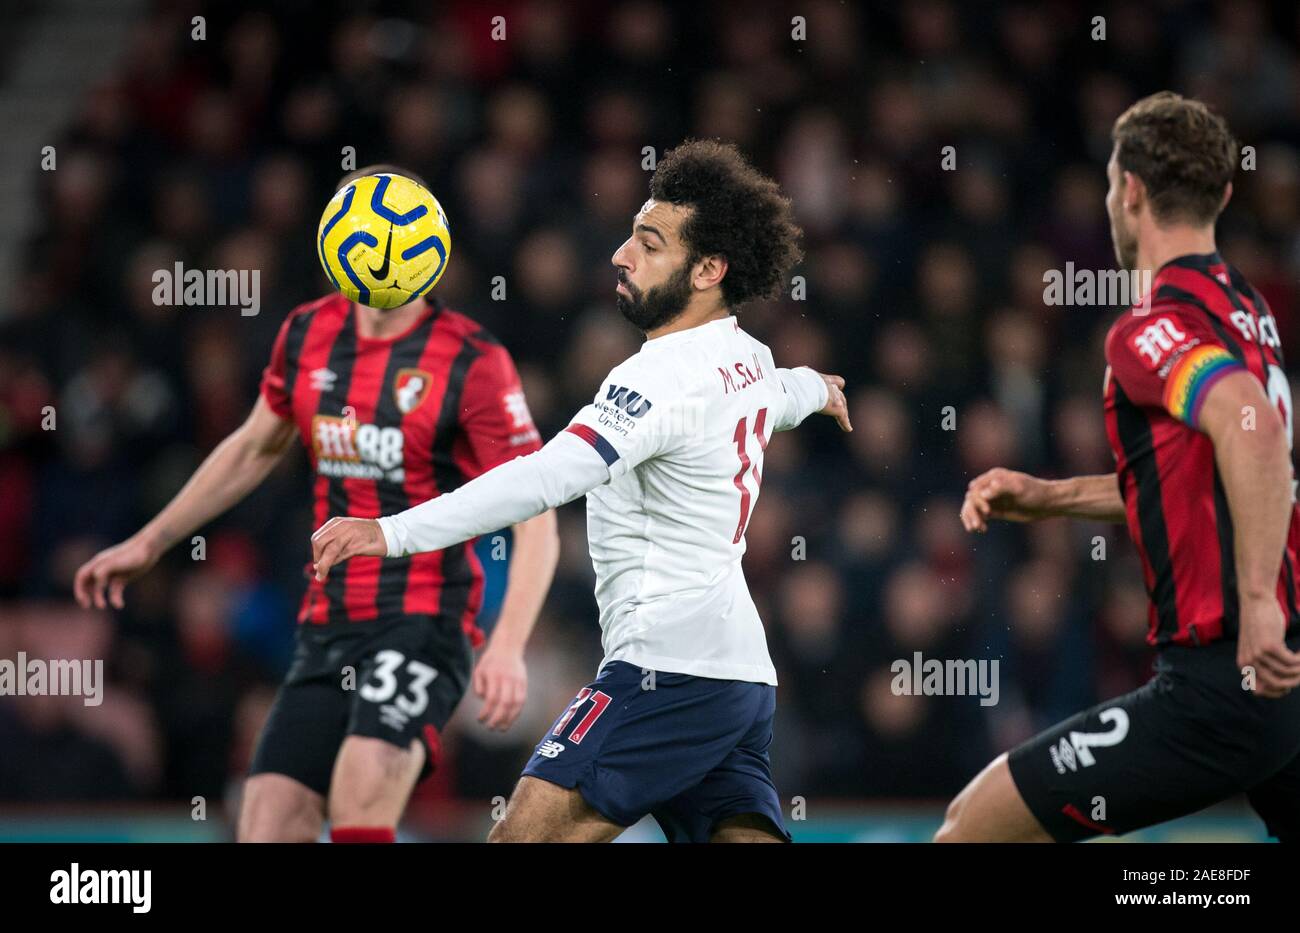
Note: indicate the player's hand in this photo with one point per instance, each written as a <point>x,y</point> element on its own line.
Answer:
<point>836,405</point>
<point>1004,494</point>
<point>112,569</point>
<point>501,681</point>
<point>1261,646</point>
<point>341,538</point>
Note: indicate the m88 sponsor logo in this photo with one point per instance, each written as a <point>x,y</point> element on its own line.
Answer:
<point>359,451</point>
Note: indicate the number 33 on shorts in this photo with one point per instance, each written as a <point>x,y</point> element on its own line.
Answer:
<point>404,683</point>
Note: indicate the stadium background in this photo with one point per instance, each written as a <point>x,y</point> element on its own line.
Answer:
<point>924,288</point>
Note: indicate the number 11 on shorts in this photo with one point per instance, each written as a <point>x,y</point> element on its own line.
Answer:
<point>599,701</point>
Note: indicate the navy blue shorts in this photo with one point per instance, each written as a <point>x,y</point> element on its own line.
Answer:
<point>690,751</point>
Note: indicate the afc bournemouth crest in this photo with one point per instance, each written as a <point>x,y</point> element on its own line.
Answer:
<point>410,389</point>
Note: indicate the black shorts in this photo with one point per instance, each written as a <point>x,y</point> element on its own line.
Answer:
<point>395,681</point>
<point>1186,739</point>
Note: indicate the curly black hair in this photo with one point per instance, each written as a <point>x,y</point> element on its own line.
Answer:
<point>738,213</point>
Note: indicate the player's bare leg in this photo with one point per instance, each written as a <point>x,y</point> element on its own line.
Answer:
<point>540,811</point>
<point>744,827</point>
<point>990,809</point>
<point>372,782</point>
<point>276,808</point>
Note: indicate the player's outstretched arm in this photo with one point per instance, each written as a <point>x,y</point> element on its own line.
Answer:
<point>230,472</point>
<point>1254,460</point>
<point>509,494</point>
<point>810,392</point>
<point>1018,497</point>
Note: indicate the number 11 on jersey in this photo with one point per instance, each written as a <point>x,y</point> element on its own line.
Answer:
<point>740,437</point>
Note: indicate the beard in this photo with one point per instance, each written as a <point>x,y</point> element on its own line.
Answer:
<point>659,305</point>
<point>1126,247</point>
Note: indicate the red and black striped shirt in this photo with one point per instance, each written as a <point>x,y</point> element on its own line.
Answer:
<point>389,423</point>
<point>1201,321</point>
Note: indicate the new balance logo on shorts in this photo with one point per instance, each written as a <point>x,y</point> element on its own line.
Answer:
<point>550,748</point>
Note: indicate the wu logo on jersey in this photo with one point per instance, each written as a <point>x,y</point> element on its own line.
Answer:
<point>1075,752</point>
<point>633,403</point>
<point>411,388</point>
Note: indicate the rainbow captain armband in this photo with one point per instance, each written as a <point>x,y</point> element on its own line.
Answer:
<point>1190,380</point>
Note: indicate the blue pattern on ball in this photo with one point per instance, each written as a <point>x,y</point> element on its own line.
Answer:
<point>347,206</point>
<point>377,205</point>
<point>360,236</point>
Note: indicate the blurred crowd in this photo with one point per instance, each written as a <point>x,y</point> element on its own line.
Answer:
<point>924,288</point>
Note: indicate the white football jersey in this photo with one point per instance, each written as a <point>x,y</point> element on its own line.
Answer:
<point>682,426</point>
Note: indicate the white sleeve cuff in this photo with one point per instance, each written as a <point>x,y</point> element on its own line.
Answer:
<point>808,394</point>
<point>392,537</point>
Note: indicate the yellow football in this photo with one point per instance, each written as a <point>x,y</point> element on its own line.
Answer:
<point>383,240</point>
